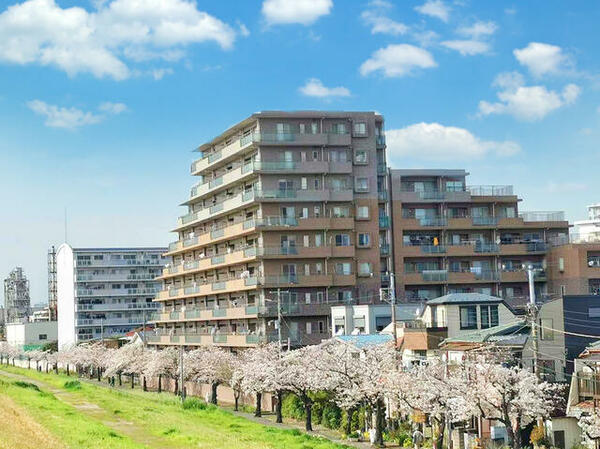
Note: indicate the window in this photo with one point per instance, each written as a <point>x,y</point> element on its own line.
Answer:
<point>319,297</point>
<point>344,296</point>
<point>338,128</point>
<point>306,269</point>
<point>361,157</point>
<point>343,268</point>
<point>381,322</point>
<point>342,240</point>
<point>319,270</point>
<point>303,183</point>
<point>361,185</point>
<point>304,212</point>
<point>362,212</point>
<point>307,297</point>
<point>302,128</point>
<point>309,327</point>
<point>365,269</point>
<point>314,127</point>
<point>360,129</point>
<point>489,316</point>
<point>468,317</point>
<point>364,239</point>
<point>454,186</point>
<point>98,257</point>
<point>306,241</point>
<point>318,240</point>
<point>43,337</point>
<point>317,211</point>
<point>546,326</point>
<point>340,212</point>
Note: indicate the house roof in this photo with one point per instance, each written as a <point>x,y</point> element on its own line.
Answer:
<point>362,341</point>
<point>514,333</point>
<point>464,298</point>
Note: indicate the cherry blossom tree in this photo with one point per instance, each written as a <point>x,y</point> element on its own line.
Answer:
<point>301,376</point>
<point>590,427</point>
<point>261,368</point>
<point>508,394</point>
<point>128,359</point>
<point>162,363</point>
<point>211,365</point>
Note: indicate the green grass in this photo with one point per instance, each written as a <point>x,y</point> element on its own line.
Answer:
<point>194,425</point>
<point>71,427</point>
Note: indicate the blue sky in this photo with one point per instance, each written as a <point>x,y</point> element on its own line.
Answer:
<point>102,102</point>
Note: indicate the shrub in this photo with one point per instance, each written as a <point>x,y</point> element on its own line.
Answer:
<point>20,383</point>
<point>331,416</point>
<point>407,442</point>
<point>72,385</point>
<point>194,404</point>
<point>292,407</point>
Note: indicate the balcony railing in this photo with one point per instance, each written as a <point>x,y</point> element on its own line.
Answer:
<point>490,190</point>
<point>384,221</point>
<point>543,216</point>
<point>485,221</point>
<point>433,249</point>
<point>486,247</point>
<point>433,221</point>
<point>382,195</point>
<point>435,275</point>
<point>380,140</point>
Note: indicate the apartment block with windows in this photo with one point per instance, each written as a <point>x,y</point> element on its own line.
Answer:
<point>288,206</point>
<point>105,292</point>
<point>453,238</point>
<point>574,268</point>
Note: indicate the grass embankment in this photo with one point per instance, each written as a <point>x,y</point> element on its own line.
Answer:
<point>34,418</point>
<point>202,426</point>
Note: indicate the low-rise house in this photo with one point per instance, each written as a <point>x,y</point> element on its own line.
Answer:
<point>361,319</point>
<point>28,336</point>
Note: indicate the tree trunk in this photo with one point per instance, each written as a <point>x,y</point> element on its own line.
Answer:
<point>159,383</point>
<point>68,374</point>
<point>46,366</point>
<point>99,374</point>
<point>348,428</point>
<point>258,410</point>
<point>120,380</point>
<point>56,368</point>
<point>145,387</point>
<point>213,392</point>
<point>132,379</point>
<point>236,397</point>
<point>308,411</point>
<point>176,389</point>
<point>440,425</point>
<point>379,422</point>
<point>278,407</point>
<point>28,363</point>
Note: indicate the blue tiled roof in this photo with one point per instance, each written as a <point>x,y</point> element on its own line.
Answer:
<point>361,341</point>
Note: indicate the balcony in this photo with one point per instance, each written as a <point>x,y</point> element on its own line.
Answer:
<point>384,222</point>
<point>277,195</point>
<point>380,140</point>
<point>316,280</point>
<point>206,339</point>
<point>119,277</point>
<point>542,216</point>
<point>123,307</point>
<point>224,154</point>
<point>83,292</point>
<point>473,276</point>
<point>82,322</point>
<point>119,262</point>
<point>217,209</point>
<point>433,196</point>
<point>433,221</point>
<point>588,386</point>
<point>486,247</point>
<point>382,195</point>
<point>209,288</point>
<point>426,277</point>
<point>485,221</point>
<point>208,263</point>
<point>384,249</point>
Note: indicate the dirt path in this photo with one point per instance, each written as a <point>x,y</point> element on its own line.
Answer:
<point>18,429</point>
<point>128,428</point>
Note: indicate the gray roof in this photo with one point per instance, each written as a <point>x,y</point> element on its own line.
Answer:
<point>464,298</point>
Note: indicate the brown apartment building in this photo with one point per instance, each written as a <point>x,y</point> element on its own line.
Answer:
<point>288,205</point>
<point>452,238</point>
<point>574,268</point>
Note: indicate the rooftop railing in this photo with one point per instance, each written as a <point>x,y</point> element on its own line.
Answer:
<point>542,216</point>
<point>491,190</point>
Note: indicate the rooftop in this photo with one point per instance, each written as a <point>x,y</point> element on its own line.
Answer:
<point>511,334</point>
<point>464,298</point>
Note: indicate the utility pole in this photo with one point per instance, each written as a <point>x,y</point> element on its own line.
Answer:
<point>533,313</point>
<point>101,329</point>
<point>144,328</point>
<point>390,296</point>
<point>181,376</point>
<point>279,292</point>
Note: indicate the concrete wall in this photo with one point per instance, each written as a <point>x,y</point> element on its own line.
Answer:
<point>65,292</point>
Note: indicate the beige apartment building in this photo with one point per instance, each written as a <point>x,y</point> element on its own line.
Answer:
<point>452,238</point>
<point>289,206</point>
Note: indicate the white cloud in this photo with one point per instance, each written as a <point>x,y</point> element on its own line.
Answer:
<point>435,8</point>
<point>376,18</point>
<point>425,38</point>
<point>315,88</point>
<point>528,103</point>
<point>70,118</point>
<point>565,187</point>
<point>304,12</point>
<point>159,74</point>
<point>433,141</point>
<point>100,42</point>
<point>478,29</point>
<point>244,31</point>
<point>398,60</point>
<point>112,108</point>
<point>543,59</point>
<point>467,47</point>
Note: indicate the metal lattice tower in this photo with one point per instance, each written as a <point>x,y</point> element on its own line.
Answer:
<point>52,298</point>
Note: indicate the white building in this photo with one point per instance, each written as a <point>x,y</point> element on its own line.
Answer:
<point>105,292</point>
<point>588,230</point>
<point>367,319</point>
<point>31,335</point>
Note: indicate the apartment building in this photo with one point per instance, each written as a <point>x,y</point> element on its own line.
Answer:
<point>105,292</point>
<point>289,208</point>
<point>574,268</point>
<point>588,230</point>
<point>453,238</point>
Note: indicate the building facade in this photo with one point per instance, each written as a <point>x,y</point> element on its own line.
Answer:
<point>105,292</point>
<point>17,302</point>
<point>453,238</point>
<point>365,319</point>
<point>588,230</point>
<point>574,269</point>
<point>28,336</point>
<point>291,208</point>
